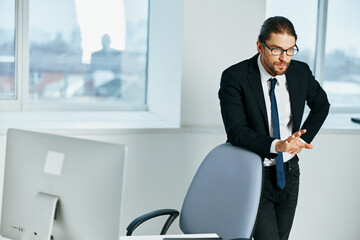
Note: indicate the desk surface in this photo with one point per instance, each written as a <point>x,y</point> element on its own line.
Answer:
<point>160,237</point>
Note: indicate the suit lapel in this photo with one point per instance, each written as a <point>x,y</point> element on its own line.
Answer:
<point>255,83</point>
<point>293,88</point>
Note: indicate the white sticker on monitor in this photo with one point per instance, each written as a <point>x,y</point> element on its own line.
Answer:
<point>54,163</point>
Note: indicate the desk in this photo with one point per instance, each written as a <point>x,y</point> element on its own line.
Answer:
<point>157,237</point>
<point>160,237</point>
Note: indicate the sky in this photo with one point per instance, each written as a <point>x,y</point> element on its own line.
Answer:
<point>343,31</point>
<point>94,18</point>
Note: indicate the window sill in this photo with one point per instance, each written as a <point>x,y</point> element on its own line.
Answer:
<point>337,123</point>
<point>84,123</point>
<point>112,123</point>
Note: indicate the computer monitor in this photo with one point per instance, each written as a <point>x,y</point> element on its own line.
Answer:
<point>61,188</point>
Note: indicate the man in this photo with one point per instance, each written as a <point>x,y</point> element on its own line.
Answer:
<point>262,103</point>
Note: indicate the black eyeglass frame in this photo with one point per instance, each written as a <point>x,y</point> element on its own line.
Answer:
<point>295,48</point>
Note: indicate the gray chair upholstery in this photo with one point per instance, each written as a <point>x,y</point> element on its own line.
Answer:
<point>223,197</point>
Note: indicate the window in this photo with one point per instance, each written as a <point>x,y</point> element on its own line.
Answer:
<point>332,26</point>
<point>74,53</point>
<point>342,53</point>
<point>305,26</point>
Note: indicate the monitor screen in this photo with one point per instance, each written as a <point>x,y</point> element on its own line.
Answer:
<point>61,188</point>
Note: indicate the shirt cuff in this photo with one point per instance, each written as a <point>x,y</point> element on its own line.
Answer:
<point>272,147</point>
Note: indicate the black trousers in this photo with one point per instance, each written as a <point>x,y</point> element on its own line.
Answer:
<point>277,206</point>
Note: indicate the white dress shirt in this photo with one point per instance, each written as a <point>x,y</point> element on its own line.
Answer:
<point>284,110</point>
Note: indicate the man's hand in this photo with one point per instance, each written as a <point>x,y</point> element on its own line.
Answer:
<point>293,144</point>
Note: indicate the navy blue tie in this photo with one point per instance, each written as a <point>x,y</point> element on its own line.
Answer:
<point>280,174</point>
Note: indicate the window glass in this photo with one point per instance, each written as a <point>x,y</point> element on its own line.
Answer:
<point>88,51</point>
<point>342,54</point>
<point>304,17</point>
<point>7,49</point>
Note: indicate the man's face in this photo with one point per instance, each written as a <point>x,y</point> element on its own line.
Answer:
<point>276,65</point>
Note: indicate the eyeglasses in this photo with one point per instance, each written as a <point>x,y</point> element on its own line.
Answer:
<point>279,51</point>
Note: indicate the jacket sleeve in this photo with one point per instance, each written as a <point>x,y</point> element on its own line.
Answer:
<point>317,101</point>
<point>233,103</point>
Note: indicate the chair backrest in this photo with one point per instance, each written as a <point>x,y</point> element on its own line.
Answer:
<point>224,195</point>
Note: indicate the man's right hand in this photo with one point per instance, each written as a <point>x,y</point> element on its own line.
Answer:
<point>293,144</point>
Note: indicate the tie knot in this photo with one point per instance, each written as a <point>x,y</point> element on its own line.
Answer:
<point>273,82</point>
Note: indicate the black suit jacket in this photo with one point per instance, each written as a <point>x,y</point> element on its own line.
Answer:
<point>243,105</point>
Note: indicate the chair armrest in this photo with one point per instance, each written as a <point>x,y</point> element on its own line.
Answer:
<point>139,220</point>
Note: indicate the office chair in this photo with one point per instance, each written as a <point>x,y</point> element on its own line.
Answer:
<point>223,197</point>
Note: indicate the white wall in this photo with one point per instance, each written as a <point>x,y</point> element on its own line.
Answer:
<point>161,166</point>
<point>161,163</point>
<point>329,188</point>
<point>217,34</point>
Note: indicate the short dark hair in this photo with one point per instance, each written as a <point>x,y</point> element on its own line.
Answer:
<point>276,24</point>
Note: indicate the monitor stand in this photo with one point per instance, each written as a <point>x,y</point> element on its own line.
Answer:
<point>40,222</point>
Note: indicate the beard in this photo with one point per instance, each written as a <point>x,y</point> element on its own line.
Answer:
<point>278,68</point>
